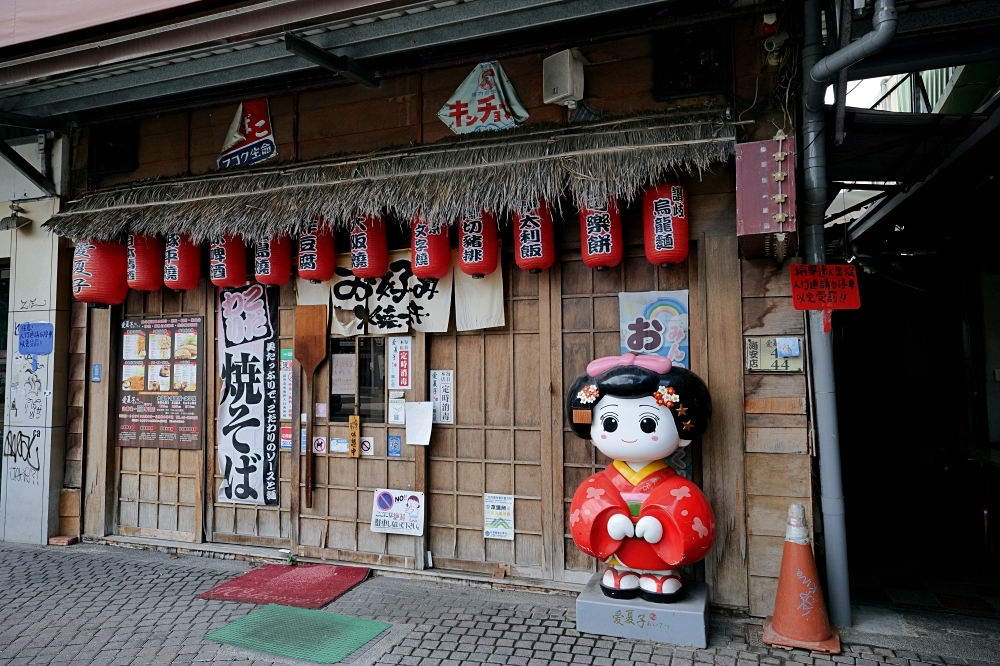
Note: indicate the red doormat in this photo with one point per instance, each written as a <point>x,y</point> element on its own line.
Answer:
<point>302,585</point>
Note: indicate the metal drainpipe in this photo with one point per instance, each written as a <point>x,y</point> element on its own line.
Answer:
<point>817,72</point>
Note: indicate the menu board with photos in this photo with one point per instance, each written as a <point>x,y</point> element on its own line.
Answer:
<point>161,397</point>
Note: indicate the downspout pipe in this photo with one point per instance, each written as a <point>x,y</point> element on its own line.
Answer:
<point>817,71</point>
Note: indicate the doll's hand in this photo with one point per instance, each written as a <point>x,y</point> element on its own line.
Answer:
<point>650,529</point>
<point>619,526</point>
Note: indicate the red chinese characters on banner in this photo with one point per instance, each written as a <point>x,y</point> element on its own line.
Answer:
<point>99,272</point>
<point>601,243</point>
<point>369,247</point>
<point>534,238</point>
<point>181,263</point>
<point>316,252</point>
<point>430,250</point>
<point>477,244</point>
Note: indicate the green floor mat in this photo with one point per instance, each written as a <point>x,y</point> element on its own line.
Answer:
<point>298,633</point>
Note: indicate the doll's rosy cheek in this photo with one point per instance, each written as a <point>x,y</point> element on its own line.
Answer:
<point>655,438</point>
<point>604,436</point>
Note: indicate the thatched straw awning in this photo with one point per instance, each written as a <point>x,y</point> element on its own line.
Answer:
<point>496,172</point>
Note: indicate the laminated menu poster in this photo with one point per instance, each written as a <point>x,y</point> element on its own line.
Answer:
<point>160,399</point>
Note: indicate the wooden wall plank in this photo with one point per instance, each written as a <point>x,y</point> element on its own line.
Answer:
<point>778,474</point>
<point>777,440</point>
<point>766,277</point>
<point>775,394</point>
<point>771,316</point>
<point>765,555</point>
<point>762,593</point>
<point>768,516</point>
<point>776,420</point>
<point>722,446</point>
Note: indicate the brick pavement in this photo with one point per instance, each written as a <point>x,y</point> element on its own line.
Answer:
<point>110,606</point>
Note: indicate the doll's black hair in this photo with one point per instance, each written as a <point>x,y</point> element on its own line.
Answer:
<point>691,410</point>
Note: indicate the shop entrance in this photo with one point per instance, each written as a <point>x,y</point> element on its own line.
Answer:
<point>921,479</point>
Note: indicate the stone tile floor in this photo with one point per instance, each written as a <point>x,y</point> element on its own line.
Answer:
<point>110,606</point>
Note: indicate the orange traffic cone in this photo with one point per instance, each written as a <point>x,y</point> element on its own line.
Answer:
<point>800,619</point>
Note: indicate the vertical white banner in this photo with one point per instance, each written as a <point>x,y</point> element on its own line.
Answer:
<point>248,415</point>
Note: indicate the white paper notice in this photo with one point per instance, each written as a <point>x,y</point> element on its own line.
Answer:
<point>343,372</point>
<point>498,516</point>
<point>397,411</point>
<point>312,293</point>
<point>367,446</point>
<point>400,357</point>
<point>419,419</point>
<point>398,512</point>
<point>339,444</point>
<point>443,395</point>
<point>478,303</point>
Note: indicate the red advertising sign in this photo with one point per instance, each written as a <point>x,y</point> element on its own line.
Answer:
<point>825,287</point>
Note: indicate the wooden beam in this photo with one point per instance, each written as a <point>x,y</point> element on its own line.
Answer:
<point>8,119</point>
<point>346,67</point>
<point>25,169</point>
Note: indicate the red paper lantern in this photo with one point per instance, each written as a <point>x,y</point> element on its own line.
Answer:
<point>430,251</point>
<point>601,243</point>
<point>369,247</point>
<point>228,262</point>
<point>272,260</point>
<point>145,256</point>
<point>665,224</point>
<point>534,238</point>
<point>477,244</point>
<point>317,252</point>
<point>181,263</point>
<point>100,271</point>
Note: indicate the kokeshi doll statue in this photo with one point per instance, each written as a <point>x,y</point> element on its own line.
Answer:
<point>639,516</point>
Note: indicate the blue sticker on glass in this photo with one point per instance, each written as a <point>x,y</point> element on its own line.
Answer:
<point>395,446</point>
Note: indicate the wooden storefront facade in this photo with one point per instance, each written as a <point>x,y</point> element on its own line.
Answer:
<point>510,434</point>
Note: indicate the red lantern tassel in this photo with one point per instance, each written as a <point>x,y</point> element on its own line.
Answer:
<point>430,251</point>
<point>181,263</point>
<point>534,238</point>
<point>478,245</point>
<point>228,262</point>
<point>601,243</point>
<point>100,272</point>
<point>665,224</point>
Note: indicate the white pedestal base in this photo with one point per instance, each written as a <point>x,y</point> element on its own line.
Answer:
<point>682,623</point>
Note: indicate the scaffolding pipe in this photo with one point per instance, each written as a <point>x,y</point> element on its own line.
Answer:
<point>817,71</point>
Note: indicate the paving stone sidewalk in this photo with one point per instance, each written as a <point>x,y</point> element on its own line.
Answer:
<point>110,606</point>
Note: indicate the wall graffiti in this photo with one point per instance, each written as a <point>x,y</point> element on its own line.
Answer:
<point>23,455</point>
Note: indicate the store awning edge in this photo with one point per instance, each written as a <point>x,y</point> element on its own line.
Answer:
<point>498,172</point>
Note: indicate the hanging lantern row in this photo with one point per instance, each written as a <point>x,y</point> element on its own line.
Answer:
<point>317,252</point>
<point>534,238</point>
<point>478,247</point>
<point>181,263</point>
<point>430,249</point>
<point>103,271</point>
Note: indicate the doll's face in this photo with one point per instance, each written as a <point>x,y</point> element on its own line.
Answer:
<point>634,429</point>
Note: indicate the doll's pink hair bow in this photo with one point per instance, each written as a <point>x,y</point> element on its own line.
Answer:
<point>657,364</point>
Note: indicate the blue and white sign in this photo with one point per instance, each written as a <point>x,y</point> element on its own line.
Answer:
<point>35,338</point>
<point>655,322</point>
<point>395,446</point>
